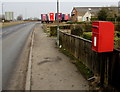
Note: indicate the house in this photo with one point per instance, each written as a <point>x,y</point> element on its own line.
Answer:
<point>79,14</point>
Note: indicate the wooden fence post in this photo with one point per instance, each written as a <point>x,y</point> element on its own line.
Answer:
<point>102,68</point>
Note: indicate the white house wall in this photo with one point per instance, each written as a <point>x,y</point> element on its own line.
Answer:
<point>87,14</point>
<point>79,18</point>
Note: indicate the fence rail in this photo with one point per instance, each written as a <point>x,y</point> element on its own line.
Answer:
<point>81,49</point>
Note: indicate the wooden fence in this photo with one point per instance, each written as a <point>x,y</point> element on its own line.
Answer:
<point>107,65</point>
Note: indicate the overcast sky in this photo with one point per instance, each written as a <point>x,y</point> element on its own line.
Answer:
<point>33,8</point>
<point>59,0</point>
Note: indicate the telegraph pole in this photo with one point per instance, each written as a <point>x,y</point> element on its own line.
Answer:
<point>25,13</point>
<point>2,13</point>
<point>119,8</point>
<point>57,23</point>
<point>119,14</point>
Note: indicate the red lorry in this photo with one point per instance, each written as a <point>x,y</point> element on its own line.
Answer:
<point>65,17</point>
<point>44,18</point>
<point>58,16</point>
<point>51,17</point>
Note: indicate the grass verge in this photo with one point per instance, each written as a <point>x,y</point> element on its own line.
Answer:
<point>6,24</point>
<point>85,71</point>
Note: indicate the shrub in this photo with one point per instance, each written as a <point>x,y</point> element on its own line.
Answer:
<point>117,27</point>
<point>117,39</point>
<point>110,19</point>
<point>102,14</point>
<point>87,35</point>
<point>118,18</point>
<point>65,27</point>
<point>94,19</point>
<point>117,42</point>
<point>118,34</point>
<point>88,28</point>
<point>53,31</point>
<point>76,30</point>
<point>75,22</point>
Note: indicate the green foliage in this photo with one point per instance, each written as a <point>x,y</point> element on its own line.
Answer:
<point>88,28</point>
<point>53,31</point>
<point>102,14</point>
<point>94,19</point>
<point>76,30</point>
<point>117,40</point>
<point>87,73</point>
<point>75,22</point>
<point>87,35</point>
<point>118,34</point>
<point>118,18</point>
<point>117,27</point>
<point>65,27</point>
<point>110,19</point>
<point>107,14</point>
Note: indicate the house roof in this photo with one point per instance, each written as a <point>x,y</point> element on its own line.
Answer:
<point>93,10</point>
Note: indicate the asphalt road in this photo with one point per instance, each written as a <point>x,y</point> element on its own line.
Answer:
<point>13,41</point>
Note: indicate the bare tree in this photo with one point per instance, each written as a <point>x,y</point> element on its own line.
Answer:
<point>20,17</point>
<point>2,17</point>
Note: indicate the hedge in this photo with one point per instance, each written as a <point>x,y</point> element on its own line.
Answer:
<point>87,35</point>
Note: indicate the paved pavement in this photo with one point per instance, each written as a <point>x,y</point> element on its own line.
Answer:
<point>52,70</point>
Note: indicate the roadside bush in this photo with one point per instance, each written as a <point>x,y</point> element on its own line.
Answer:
<point>76,30</point>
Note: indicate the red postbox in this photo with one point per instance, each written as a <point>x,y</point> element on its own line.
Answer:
<point>102,36</point>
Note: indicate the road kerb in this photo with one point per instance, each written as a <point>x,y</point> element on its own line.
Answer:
<point>29,71</point>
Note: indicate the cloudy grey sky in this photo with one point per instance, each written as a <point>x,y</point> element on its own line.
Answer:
<point>33,8</point>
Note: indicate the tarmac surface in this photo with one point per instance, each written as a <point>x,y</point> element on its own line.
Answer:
<point>14,39</point>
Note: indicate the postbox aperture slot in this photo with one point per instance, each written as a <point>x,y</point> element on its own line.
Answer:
<point>95,27</point>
